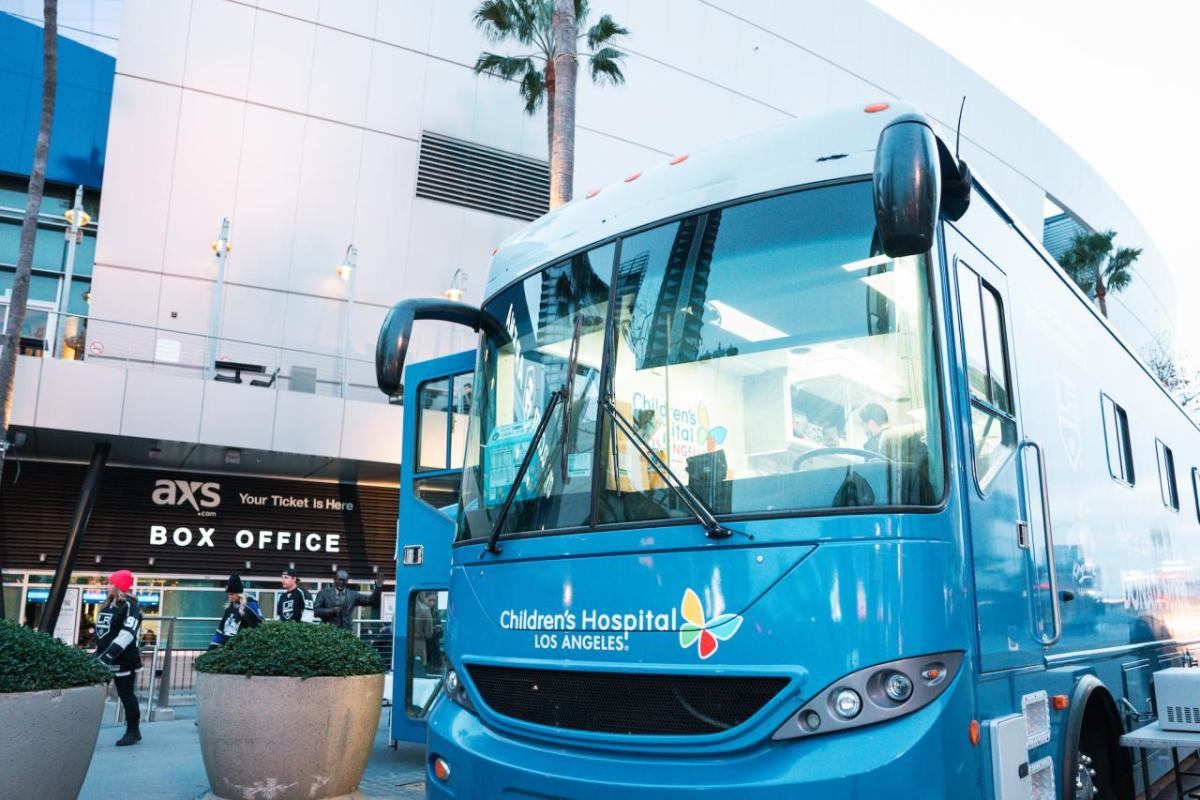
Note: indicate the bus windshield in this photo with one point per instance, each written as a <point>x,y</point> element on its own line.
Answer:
<point>765,351</point>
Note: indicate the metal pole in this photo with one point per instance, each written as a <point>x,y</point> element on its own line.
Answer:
<point>150,683</point>
<point>64,298</point>
<point>66,561</point>
<point>352,264</point>
<point>164,686</point>
<point>221,249</point>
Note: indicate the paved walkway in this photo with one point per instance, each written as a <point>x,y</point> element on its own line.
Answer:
<point>166,765</point>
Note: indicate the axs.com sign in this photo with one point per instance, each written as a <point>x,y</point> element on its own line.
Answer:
<point>201,496</point>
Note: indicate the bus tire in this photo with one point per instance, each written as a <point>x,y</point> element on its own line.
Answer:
<point>1094,765</point>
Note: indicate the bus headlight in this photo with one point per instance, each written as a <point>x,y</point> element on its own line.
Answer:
<point>875,694</point>
<point>456,691</point>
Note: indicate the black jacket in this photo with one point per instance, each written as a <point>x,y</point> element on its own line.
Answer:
<point>294,606</point>
<point>337,609</point>
<point>234,619</point>
<point>117,628</point>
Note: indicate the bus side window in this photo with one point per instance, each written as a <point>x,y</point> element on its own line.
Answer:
<point>1196,490</point>
<point>993,425</point>
<point>1116,439</point>
<point>1166,476</point>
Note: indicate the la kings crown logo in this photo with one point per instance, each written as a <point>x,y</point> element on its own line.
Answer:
<point>197,494</point>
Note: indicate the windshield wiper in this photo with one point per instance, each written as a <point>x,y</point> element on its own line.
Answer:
<point>563,395</point>
<point>543,425</point>
<point>712,527</point>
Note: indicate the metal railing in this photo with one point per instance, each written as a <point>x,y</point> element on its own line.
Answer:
<point>185,353</point>
<point>168,674</point>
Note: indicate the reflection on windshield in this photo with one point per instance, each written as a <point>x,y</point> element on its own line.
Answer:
<point>764,351</point>
<point>770,356</point>
<point>521,373</point>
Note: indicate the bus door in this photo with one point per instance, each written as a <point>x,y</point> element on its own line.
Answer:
<point>1013,600</point>
<point>437,401</point>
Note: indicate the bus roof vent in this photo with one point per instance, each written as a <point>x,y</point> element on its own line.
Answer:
<point>476,176</point>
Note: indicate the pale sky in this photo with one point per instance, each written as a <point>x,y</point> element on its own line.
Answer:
<point>1118,81</point>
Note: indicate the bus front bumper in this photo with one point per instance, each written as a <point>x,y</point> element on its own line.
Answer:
<point>915,756</point>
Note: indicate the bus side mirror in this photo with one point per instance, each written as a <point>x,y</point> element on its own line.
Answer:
<point>392,346</point>
<point>907,187</point>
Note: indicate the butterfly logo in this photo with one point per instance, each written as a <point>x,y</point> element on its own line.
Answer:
<point>711,437</point>
<point>719,629</point>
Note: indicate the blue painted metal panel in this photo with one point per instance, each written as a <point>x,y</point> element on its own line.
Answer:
<point>418,523</point>
<point>81,111</point>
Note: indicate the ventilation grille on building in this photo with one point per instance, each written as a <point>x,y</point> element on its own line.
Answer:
<point>471,175</point>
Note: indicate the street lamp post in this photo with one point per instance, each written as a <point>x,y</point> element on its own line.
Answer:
<point>78,218</point>
<point>348,271</point>
<point>220,248</point>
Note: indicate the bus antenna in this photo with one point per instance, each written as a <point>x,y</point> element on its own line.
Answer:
<point>958,130</point>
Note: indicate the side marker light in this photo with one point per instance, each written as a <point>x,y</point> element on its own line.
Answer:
<point>591,194</point>
<point>678,160</point>
<point>441,768</point>
<point>1060,702</point>
<point>973,732</point>
<point>875,108</point>
<point>633,177</point>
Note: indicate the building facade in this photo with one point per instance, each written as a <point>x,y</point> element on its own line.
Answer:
<point>266,178</point>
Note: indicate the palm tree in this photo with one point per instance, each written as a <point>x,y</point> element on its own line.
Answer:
<point>530,23</point>
<point>1095,268</point>
<point>33,204</point>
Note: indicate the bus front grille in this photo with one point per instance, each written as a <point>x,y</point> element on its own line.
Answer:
<point>622,702</point>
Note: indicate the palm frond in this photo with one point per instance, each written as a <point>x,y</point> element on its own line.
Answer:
<point>502,66</point>
<point>1118,272</point>
<point>533,89</point>
<point>603,31</point>
<point>605,67</point>
<point>504,19</point>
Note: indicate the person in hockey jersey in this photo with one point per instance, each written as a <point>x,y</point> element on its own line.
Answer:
<point>242,612</point>
<point>117,629</point>
<point>335,604</point>
<point>294,604</point>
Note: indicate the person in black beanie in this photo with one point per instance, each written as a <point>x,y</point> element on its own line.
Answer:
<point>242,612</point>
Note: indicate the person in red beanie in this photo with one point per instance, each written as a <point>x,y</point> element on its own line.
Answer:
<point>117,626</point>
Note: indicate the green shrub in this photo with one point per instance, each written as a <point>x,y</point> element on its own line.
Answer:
<point>31,661</point>
<point>292,650</point>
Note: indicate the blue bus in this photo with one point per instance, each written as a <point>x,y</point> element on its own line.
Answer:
<point>795,468</point>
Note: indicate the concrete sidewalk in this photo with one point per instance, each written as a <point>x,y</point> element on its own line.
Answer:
<point>166,764</point>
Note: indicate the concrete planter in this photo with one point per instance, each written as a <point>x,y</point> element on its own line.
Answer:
<point>47,739</point>
<point>286,738</point>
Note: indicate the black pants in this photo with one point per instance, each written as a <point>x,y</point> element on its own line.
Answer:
<point>128,699</point>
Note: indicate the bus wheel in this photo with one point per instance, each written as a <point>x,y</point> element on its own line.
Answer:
<point>1095,768</point>
<point>1085,786</point>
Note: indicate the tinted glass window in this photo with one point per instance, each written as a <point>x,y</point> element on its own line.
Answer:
<point>774,360</point>
<point>1116,438</point>
<point>1166,476</point>
<point>993,427</point>
<point>549,350</point>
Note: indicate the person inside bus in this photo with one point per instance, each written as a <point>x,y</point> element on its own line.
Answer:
<point>874,418</point>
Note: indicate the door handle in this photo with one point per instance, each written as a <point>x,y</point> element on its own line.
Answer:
<point>1023,534</point>
<point>1048,534</point>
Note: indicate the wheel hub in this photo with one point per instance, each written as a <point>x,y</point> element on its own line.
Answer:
<point>1085,784</point>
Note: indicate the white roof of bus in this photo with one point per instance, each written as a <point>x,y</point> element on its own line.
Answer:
<point>785,155</point>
